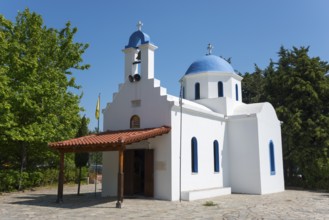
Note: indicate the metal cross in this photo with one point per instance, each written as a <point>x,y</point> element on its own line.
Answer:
<point>139,25</point>
<point>209,48</point>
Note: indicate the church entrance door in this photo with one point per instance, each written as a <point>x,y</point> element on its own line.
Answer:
<point>139,172</point>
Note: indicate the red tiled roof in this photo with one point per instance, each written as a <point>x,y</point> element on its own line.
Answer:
<point>108,140</point>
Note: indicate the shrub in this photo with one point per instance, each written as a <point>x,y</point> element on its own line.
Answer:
<point>8,180</point>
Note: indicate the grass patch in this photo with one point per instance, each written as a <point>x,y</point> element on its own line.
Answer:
<point>209,203</point>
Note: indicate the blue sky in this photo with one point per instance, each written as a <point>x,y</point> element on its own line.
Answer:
<point>250,32</point>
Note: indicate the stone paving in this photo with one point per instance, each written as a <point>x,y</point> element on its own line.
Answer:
<point>40,204</point>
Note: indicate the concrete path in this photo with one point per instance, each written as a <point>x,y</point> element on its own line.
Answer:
<point>40,204</point>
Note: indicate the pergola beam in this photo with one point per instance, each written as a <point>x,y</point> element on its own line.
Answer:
<point>60,178</point>
<point>93,148</point>
<point>120,179</point>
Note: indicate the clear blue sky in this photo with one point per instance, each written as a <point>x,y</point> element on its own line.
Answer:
<point>250,32</point>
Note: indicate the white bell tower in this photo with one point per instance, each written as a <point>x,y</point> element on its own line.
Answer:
<point>139,56</point>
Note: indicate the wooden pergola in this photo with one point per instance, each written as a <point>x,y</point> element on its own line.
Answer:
<point>105,141</point>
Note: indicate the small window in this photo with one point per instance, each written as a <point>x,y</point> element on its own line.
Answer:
<point>135,103</point>
<point>197,91</point>
<point>272,158</point>
<point>135,121</point>
<point>236,92</point>
<point>216,157</point>
<point>194,153</point>
<point>220,89</point>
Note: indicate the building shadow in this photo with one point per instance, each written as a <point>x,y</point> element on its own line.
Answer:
<point>70,201</point>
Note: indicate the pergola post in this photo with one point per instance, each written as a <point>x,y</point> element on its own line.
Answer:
<point>120,179</point>
<point>60,178</point>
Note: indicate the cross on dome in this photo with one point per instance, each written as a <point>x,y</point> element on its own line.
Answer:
<point>139,25</point>
<point>209,48</point>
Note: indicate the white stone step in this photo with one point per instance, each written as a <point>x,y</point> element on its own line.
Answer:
<point>205,193</point>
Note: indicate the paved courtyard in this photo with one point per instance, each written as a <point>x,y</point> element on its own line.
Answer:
<point>40,204</point>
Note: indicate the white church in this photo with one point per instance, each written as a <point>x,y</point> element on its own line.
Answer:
<point>214,143</point>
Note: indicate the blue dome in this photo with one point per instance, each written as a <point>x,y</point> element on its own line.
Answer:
<point>210,63</point>
<point>137,37</point>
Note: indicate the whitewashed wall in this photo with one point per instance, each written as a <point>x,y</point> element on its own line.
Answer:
<point>269,130</point>
<point>162,167</point>
<point>205,129</point>
<point>209,85</point>
<point>244,155</point>
<point>110,173</point>
<point>154,110</point>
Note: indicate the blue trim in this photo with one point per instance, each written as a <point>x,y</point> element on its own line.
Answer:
<point>210,63</point>
<point>272,158</point>
<point>216,157</point>
<point>137,37</point>
<point>220,89</point>
<point>236,92</point>
<point>197,91</point>
<point>194,153</point>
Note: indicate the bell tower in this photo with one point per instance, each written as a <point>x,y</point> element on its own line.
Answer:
<point>139,56</point>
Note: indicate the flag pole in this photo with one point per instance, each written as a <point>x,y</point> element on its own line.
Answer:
<point>180,137</point>
<point>95,157</point>
<point>99,103</point>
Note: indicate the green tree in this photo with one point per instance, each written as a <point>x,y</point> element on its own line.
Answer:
<point>298,88</point>
<point>253,86</point>
<point>81,159</point>
<point>36,84</point>
<point>6,116</point>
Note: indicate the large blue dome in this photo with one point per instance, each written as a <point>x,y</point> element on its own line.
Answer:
<point>210,63</point>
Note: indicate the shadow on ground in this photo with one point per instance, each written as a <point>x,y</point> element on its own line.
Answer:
<point>70,201</point>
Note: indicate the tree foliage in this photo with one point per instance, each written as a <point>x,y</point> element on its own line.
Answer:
<point>298,87</point>
<point>81,159</point>
<point>253,86</point>
<point>37,104</point>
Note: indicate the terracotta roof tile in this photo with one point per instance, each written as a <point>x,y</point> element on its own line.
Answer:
<point>109,139</point>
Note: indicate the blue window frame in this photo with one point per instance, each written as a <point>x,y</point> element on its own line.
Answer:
<point>194,153</point>
<point>197,91</point>
<point>216,157</point>
<point>236,92</point>
<point>272,158</point>
<point>220,89</point>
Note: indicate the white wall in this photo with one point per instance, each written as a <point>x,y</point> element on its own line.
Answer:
<point>162,166</point>
<point>154,110</point>
<point>270,130</point>
<point>205,130</point>
<point>110,173</point>
<point>221,105</point>
<point>244,155</point>
<point>209,85</point>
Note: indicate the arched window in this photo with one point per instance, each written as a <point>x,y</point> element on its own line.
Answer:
<point>216,157</point>
<point>197,91</point>
<point>236,92</point>
<point>272,158</point>
<point>220,89</point>
<point>194,153</point>
<point>135,121</point>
